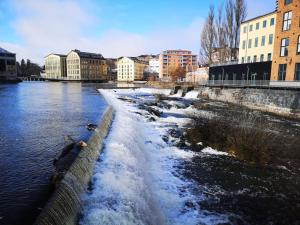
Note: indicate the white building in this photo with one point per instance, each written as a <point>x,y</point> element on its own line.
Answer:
<point>257,37</point>
<point>199,76</point>
<point>154,66</point>
<point>131,69</point>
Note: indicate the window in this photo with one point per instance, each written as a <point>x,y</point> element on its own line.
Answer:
<point>256,42</point>
<point>272,22</point>
<point>249,43</point>
<point>262,57</point>
<point>244,44</point>
<point>287,20</point>
<point>286,2</point>
<point>245,29</point>
<point>243,60</point>
<point>297,72</point>
<point>284,47</point>
<point>270,39</point>
<point>250,28</point>
<point>263,40</point>
<point>248,59</point>
<point>298,48</point>
<point>269,56</point>
<point>282,72</point>
<point>257,26</point>
<point>264,23</point>
<point>254,58</point>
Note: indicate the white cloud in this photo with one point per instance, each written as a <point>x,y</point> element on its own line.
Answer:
<point>59,26</point>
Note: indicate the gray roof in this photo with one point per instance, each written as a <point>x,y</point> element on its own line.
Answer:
<point>2,50</point>
<point>88,55</point>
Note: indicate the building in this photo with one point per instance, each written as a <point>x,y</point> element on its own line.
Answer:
<point>147,58</point>
<point>246,74</point>
<point>257,39</point>
<point>131,69</point>
<point>199,76</point>
<point>154,66</point>
<point>223,55</point>
<point>55,67</point>
<point>8,67</point>
<point>286,60</point>
<point>86,66</point>
<point>171,60</point>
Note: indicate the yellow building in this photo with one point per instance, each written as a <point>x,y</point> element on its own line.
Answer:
<point>55,66</point>
<point>130,69</point>
<point>257,39</point>
<point>86,66</point>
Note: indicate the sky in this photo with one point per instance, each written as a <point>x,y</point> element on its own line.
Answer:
<point>36,28</point>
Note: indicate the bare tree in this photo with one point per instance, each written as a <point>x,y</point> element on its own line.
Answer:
<point>240,11</point>
<point>230,25</point>
<point>221,34</point>
<point>208,37</point>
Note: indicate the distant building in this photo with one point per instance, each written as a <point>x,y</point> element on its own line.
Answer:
<point>131,69</point>
<point>223,55</point>
<point>154,66</point>
<point>199,76</point>
<point>8,67</point>
<point>55,66</point>
<point>147,58</point>
<point>112,68</point>
<point>257,39</point>
<point>171,60</point>
<point>86,66</point>
<point>286,60</point>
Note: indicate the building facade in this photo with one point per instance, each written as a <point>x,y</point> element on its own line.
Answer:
<point>286,61</point>
<point>171,60</point>
<point>224,55</point>
<point>55,66</point>
<point>86,66</point>
<point>131,69</point>
<point>199,76</point>
<point>257,39</point>
<point>154,66</point>
<point>8,68</point>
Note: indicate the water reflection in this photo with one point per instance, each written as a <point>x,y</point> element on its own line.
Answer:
<point>34,119</point>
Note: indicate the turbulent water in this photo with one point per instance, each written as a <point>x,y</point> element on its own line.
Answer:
<point>34,119</point>
<point>147,175</point>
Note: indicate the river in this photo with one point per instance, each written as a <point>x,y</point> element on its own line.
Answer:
<point>35,117</point>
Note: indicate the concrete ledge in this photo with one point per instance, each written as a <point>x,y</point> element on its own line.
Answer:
<point>65,204</point>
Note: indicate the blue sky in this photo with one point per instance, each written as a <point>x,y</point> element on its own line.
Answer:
<point>35,28</point>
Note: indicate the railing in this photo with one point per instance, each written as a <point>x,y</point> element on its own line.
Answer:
<point>253,83</point>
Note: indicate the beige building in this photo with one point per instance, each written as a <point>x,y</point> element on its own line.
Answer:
<point>55,66</point>
<point>171,60</point>
<point>257,39</point>
<point>131,69</point>
<point>86,66</point>
<point>199,76</point>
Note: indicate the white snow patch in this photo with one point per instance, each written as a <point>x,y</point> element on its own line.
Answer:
<point>192,94</point>
<point>211,151</point>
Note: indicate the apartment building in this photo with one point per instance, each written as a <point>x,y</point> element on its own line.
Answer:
<point>257,39</point>
<point>7,64</point>
<point>286,61</point>
<point>86,66</point>
<point>154,66</point>
<point>130,69</point>
<point>170,60</point>
<point>55,66</point>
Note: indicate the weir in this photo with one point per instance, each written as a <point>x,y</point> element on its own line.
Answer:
<point>65,204</point>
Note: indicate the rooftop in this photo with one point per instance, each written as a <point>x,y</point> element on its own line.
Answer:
<point>2,50</point>
<point>261,16</point>
<point>88,54</point>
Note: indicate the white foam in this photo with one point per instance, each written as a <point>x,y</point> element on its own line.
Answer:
<point>136,181</point>
<point>211,151</point>
<point>192,95</point>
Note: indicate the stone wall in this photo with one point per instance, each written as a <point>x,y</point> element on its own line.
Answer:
<point>281,102</point>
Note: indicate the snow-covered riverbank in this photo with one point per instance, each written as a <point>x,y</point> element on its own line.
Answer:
<point>138,177</point>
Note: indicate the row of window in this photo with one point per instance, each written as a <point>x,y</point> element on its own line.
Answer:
<point>284,47</point>
<point>255,59</point>
<point>257,25</point>
<point>282,72</point>
<point>256,40</point>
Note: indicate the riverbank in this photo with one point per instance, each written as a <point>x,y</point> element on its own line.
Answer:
<point>152,173</point>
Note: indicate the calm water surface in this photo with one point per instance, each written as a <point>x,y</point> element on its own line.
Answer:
<point>34,119</point>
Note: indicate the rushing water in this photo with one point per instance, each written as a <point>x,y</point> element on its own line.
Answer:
<point>34,119</point>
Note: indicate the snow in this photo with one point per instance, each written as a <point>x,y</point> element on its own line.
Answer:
<point>192,95</point>
<point>136,180</point>
<point>211,151</point>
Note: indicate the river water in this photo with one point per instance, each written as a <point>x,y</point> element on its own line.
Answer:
<point>34,119</point>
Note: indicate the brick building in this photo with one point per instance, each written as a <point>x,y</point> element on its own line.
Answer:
<point>286,60</point>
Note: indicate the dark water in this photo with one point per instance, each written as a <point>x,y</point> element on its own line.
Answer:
<point>34,119</point>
